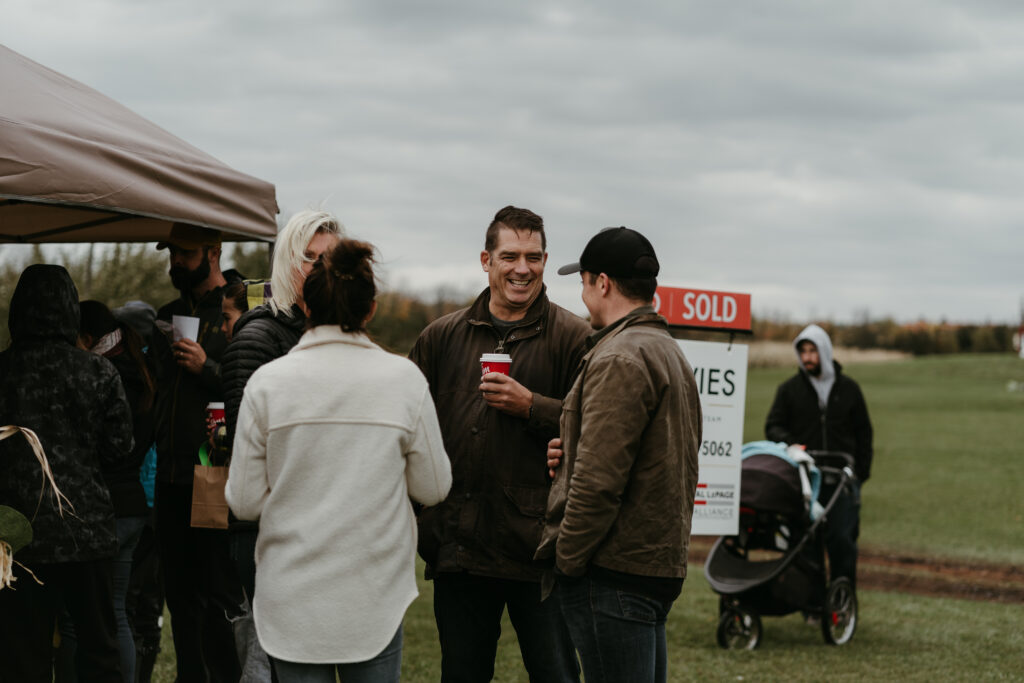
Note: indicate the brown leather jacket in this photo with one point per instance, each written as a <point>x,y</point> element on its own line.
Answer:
<point>490,523</point>
<point>631,428</point>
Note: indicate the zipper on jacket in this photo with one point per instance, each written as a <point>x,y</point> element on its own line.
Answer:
<point>177,385</point>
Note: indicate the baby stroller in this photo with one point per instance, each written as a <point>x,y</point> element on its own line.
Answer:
<point>776,565</point>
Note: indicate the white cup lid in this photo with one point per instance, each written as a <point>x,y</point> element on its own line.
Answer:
<point>495,358</point>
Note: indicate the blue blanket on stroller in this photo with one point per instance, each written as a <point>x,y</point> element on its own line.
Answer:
<point>781,450</point>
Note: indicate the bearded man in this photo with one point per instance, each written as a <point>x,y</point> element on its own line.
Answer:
<point>200,581</point>
<point>822,408</point>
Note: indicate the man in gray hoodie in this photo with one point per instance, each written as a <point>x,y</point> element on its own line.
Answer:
<point>823,409</point>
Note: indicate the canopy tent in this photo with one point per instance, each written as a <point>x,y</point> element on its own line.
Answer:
<point>76,166</point>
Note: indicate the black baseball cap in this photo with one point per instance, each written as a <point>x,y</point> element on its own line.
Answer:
<point>617,252</point>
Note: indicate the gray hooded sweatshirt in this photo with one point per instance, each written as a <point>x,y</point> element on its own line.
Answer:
<point>823,382</point>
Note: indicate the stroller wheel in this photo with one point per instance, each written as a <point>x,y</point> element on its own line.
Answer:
<point>739,629</point>
<point>839,616</point>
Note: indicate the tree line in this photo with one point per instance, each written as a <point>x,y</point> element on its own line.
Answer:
<point>917,338</point>
<point>118,273</point>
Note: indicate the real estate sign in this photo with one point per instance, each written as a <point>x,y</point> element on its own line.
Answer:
<point>721,373</point>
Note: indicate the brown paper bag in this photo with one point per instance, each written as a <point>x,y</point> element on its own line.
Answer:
<point>209,509</point>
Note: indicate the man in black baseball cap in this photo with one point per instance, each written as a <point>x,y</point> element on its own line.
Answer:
<point>619,510</point>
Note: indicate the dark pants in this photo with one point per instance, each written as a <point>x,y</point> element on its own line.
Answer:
<point>29,614</point>
<point>202,590</point>
<point>129,529</point>
<point>842,528</point>
<point>242,548</point>
<point>144,603</point>
<point>620,635</point>
<point>256,665</point>
<point>468,612</point>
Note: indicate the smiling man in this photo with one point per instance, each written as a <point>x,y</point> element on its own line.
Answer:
<point>479,543</point>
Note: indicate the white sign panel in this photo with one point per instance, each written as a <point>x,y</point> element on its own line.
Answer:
<point>721,373</point>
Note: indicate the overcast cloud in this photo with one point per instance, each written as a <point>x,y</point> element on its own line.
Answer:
<point>828,158</point>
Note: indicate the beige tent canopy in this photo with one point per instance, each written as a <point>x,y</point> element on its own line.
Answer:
<point>76,166</point>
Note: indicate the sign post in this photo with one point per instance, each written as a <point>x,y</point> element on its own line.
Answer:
<point>721,373</point>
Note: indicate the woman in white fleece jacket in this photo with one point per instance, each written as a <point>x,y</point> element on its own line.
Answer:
<point>332,441</point>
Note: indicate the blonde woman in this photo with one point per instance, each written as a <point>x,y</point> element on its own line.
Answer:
<point>333,439</point>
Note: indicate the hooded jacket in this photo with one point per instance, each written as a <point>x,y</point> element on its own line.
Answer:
<point>75,403</point>
<point>838,421</point>
<point>491,522</point>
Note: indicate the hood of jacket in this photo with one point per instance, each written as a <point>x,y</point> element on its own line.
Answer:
<point>823,382</point>
<point>44,306</point>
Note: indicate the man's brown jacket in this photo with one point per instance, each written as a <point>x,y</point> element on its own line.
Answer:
<point>631,428</point>
<point>490,523</point>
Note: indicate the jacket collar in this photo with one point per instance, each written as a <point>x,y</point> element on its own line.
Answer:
<point>332,334</point>
<point>479,311</point>
<point>209,299</point>
<point>642,315</point>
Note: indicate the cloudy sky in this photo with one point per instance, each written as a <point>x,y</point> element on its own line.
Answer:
<point>830,159</point>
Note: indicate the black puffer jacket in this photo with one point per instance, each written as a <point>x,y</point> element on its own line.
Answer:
<point>75,403</point>
<point>259,337</point>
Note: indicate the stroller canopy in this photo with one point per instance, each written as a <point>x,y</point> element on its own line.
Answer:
<point>770,480</point>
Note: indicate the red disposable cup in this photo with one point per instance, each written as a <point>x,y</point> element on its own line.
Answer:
<point>495,362</point>
<point>215,412</point>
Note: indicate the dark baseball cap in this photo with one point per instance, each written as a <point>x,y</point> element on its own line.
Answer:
<point>617,252</point>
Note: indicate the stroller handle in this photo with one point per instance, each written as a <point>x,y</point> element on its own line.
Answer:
<point>833,459</point>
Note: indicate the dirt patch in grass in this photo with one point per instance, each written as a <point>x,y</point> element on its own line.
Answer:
<point>1002,583</point>
<point>954,579</point>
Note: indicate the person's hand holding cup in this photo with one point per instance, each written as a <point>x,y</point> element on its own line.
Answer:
<point>500,390</point>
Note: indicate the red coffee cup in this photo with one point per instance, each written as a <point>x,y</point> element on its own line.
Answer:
<point>215,412</point>
<point>495,362</point>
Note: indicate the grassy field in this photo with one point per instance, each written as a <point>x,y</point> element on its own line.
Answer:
<point>949,454</point>
<point>947,482</point>
<point>899,637</point>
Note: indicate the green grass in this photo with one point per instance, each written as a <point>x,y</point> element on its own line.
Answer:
<point>946,482</point>
<point>949,454</point>
<point>899,637</point>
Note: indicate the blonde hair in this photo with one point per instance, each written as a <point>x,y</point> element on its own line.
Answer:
<point>289,254</point>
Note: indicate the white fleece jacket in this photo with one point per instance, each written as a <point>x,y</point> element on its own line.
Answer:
<point>332,440</point>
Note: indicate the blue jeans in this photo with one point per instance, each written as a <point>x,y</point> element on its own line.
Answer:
<point>129,531</point>
<point>468,613</point>
<point>384,668</point>
<point>620,635</point>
